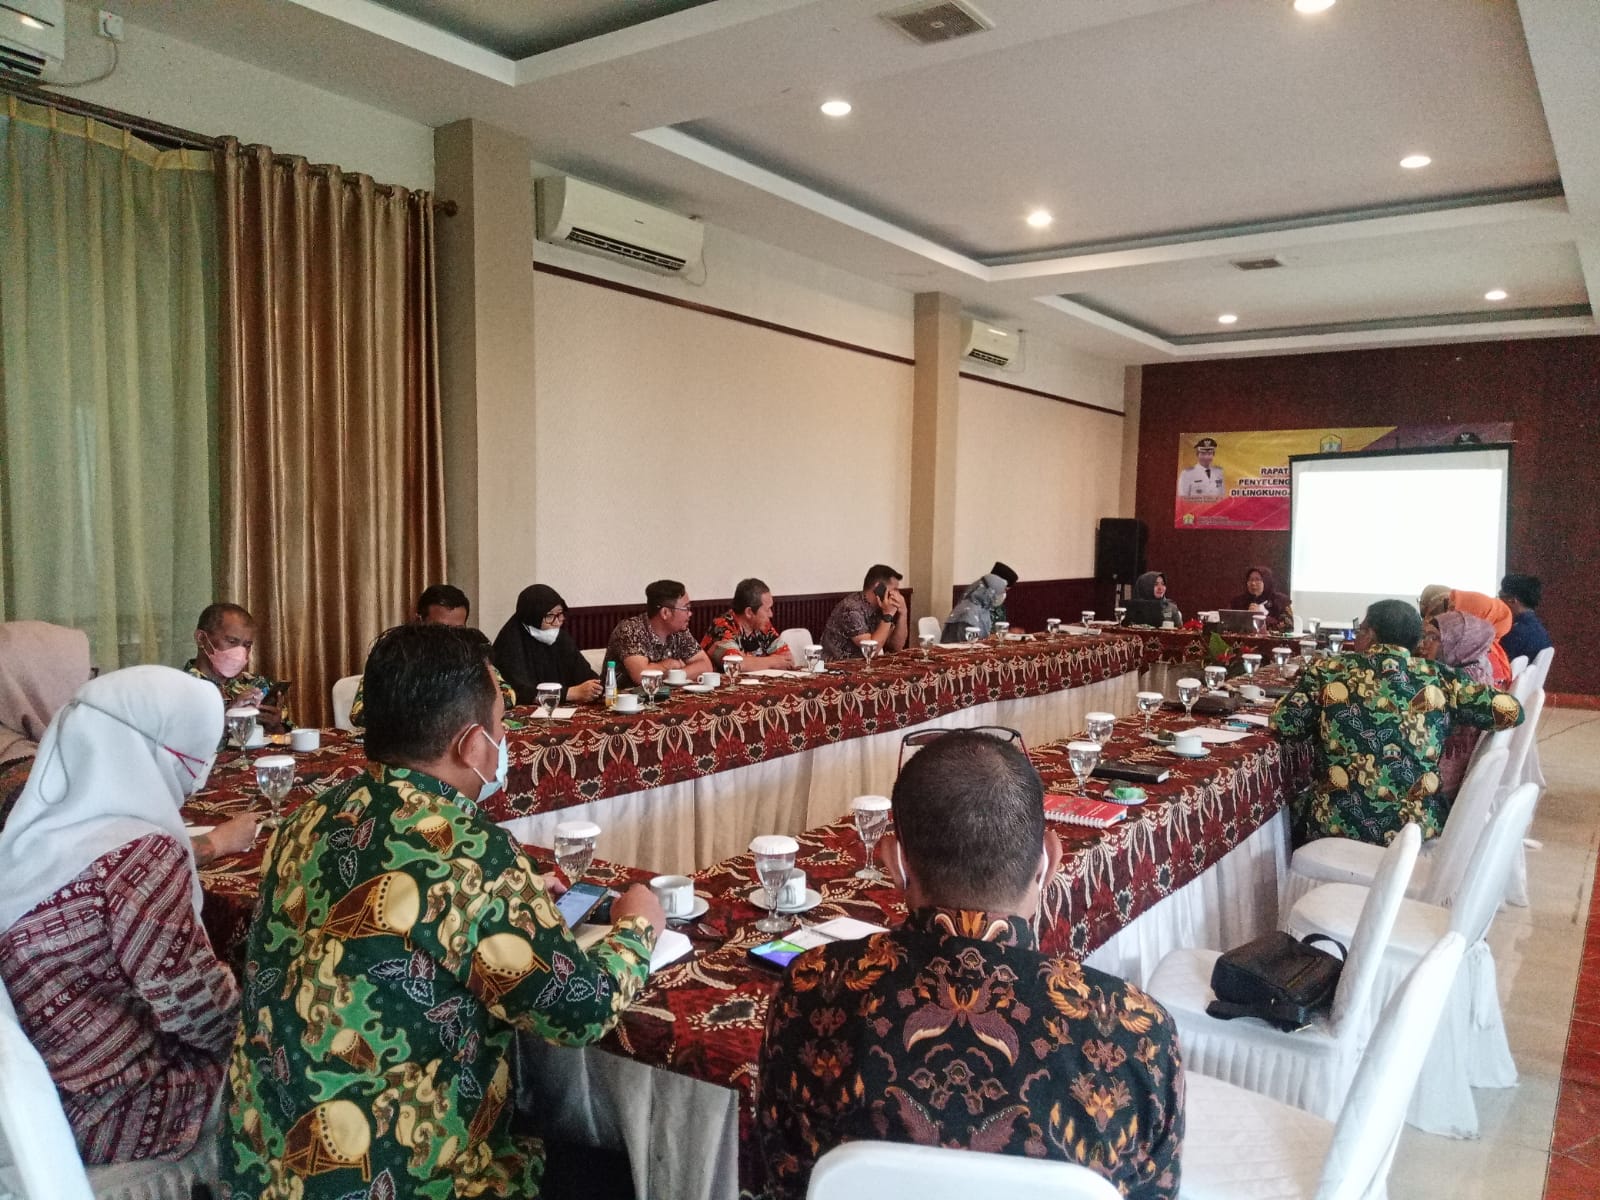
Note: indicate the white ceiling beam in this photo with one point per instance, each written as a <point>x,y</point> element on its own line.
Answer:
<point>418,35</point>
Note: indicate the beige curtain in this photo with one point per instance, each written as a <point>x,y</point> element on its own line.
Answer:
<point>331,459</point>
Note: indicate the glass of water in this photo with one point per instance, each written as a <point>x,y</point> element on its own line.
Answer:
<point>1088,617</point>
<point>1215,677</point>
<point>649,684</point>
<point>1252,663</point>
<point>1313,624</point>
<point>1083,757</point>
<point>275,776</point>
<point>548,696</point>
<point>575,842</point>
<point>1119,612</point>
<point>1149,704</point>
<point>1052,626</point>
<point>774,855</point>
<point>1001,628</point>
<point>1308,650</point>
<point>1335,643</point>
<point>732,664</point>
<point>813,658</point>
<point>871,815</point>
<point>1280,655</point>
<point>1259,620</point>
<point>1188,693</point>
<point>240,724</point>
<point>1099,726</point>
<point>870,650</point>
<point>971,634</point>
<point>926,640</point>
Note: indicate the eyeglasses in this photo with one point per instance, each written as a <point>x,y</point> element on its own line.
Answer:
<point>552,619</point>
<point>912,742</point>
<point>683,608</point>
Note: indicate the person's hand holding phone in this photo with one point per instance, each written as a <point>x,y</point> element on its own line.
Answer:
<point>639,901</point>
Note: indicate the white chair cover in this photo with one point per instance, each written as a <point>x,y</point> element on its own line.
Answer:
<point>1522,768</point>
<point>1533,772</point>
<point>899,1171</point>
<point>1519,664</point>
<point>797,639</point>
<point>929,627</point>
<point>38,1158</point>
<point>1312,1067</point>
<point>344,698</point>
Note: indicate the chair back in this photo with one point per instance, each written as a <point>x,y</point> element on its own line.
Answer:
<point>344,697</point>
<point>929,626</point>
<point>1373,928</point>
<point>38,1158</point>
<point>1469,816</point>
<point>1541,662</point>
<point>899,1171</point>
<point>1524,738</point>
<point>1519,664</point>
<point>797,639</point>
<point>1368,1128</point>
<point>1484,885</point>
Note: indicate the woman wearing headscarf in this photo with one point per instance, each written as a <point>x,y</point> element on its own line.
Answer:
<point>1152,585</point>
<point>533,647</point>
<point>975,609</point>
<point>41,665</point>
<point>101,945</point>
<point>1261,592</point>
<point>1496,612</point>
<point>1462,641</point>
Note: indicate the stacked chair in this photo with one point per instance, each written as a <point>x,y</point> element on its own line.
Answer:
<point>897,1171</point>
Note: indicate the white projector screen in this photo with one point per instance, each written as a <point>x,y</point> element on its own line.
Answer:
<point>1383,525</point>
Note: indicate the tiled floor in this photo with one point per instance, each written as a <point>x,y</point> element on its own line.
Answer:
<point>1538,951</point>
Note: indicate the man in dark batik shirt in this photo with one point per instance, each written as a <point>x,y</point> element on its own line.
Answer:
<point>955,1030</point>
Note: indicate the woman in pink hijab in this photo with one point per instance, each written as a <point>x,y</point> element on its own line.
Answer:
<point>41,666</point>
<point>1460,640</point>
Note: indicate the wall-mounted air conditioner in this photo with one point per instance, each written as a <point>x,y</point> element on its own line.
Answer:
<point>584,217</point>
<point>33,37</point>
<point>986,343</point>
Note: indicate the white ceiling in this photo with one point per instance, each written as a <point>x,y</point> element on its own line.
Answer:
<point>1168,137</point>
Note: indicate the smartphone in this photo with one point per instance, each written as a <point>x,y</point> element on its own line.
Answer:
<point>881,590</point>
<point>777,954</point>
<point>276,693</point>
<point>580,901</point>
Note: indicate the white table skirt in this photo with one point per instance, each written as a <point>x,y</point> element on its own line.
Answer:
<point>685,827</point>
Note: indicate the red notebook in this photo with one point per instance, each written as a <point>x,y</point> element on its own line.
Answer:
<point>1080,810</point>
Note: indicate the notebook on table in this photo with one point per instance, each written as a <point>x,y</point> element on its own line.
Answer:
<point>1081,810</point>
<point>1131,772</point>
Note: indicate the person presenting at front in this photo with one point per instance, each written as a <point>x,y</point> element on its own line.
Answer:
<point>975,609</point>
<point>1377,717</point>
<point>223,636</point>
<point>877,613</point>
<point>400,939</point>
<point>101,945</point>
<point>1527,637</point>
<point>1202,481</point>
<point>955,1029</point>
<point>1151,587</point>
<point>534,647</point>
<point>658,637</point>
<point>1261,595</point>
<point>746,629</point>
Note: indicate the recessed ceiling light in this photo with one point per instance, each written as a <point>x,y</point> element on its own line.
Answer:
<point>1412,162</point>
<point>30,22</point>
<point>1227,318</point>
<point>1312,6</point>
<point>837,108</point>
<point>1039,218</point>
<point>1495,294</point>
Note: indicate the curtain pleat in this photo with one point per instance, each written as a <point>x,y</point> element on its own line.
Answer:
<point>330,432</point>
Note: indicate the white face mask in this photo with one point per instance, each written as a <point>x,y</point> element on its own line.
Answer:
<point>502,768</point>
<point>544,637</point>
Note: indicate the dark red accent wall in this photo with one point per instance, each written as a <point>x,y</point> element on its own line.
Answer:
<point>1549,389</point>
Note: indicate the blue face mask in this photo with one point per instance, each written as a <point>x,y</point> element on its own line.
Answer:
<point>502,768</point>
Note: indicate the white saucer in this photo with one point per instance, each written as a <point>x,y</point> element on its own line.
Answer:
<point>813,898</point>
<point>1203,752</point>
<point>697,687</point>
<point>701,907</point>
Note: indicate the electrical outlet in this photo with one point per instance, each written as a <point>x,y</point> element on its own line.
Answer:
<point>110,25</point>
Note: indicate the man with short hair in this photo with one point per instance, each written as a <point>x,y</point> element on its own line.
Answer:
<point>223,638</point>
<point>1377,717</point>
<point>1203,481</point>
<point>746,629</point>
<point>955,1029</point>
<point>443,604</point>
<point>400,939</point>
<point>1528,636</point>
<point>659,637</point>
<point>876,613</point>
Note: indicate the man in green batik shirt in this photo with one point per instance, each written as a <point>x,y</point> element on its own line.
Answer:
<point>1377,719</point>
<point>399,941</point>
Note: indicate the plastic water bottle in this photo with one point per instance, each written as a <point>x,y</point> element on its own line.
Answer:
<point>610,692</point>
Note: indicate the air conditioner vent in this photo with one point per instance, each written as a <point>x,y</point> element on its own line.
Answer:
<point>33,38</point>
<point>20,61</point>
<point>982,355</point>
<point>599,241</point>
<point>930,24</point>
<point>1258,264</point>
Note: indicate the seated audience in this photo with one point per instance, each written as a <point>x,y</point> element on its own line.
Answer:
<point>41,666</point>
<point>975,609</point>
<point>534,647</point>
<point>1150,600</point>
<point>1377,717</point>
<point>1527,636</point>
<point>746,629</point>
<point>223,636</point>
<point>1435,599</point>
<point>443,604</point>
<point>658,637</point>
<point>998,613</point>
<point>1261,595</point>
<point>413,937</point>
<point>955,1029</point>
<point>1460,641</point>
<point>1487,608</point>
<point>876,613</point>
<point>101,945</point>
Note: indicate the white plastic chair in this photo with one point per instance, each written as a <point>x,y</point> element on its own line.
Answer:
<point>344,697</point>
<point>1239,1145</point>
<point>797,639</point>
<point>1519,664</point>
<point>1312,1067</point>
<point>597,662</point>
<point>900,1171</point>
<point>1470,1049</point>
<point>929,627</point>
<point>1533,770</point>
<point>1439,869</point>
<point>1522,766</point>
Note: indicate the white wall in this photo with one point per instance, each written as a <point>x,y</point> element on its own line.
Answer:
<point>1049,366</point>
<point>185,85</point>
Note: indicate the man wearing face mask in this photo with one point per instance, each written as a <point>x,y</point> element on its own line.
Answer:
<point>401,940</point>
<point>955,1029</point>
<point>223,636</point>
<point>534,647</point>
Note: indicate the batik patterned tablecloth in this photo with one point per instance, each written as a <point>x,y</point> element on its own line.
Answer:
<point>1194,645</point>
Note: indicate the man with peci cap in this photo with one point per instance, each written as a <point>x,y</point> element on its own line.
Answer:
<point>1202,481</point>
<point>998,612</point>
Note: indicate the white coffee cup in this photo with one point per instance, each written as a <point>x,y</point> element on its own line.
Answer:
<point>258,737</point>
<point>793,893</point>
<point>1187,743</point>
<point>677,676</point>
<point>676,894</point>
<point>301,740</point>
<point>1168,625</point>
<point>1252,693</point>
<point>625,702</point>
<point>710,679</point>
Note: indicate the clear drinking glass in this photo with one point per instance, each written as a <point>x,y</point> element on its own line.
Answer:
<point>1149,704</point>
<point>1119,612</point>
<point>1100,726</point>
<point>575,842</point>
<point>1052,626</point>
<point>1280,655</point>
<point>274,776</point>
<point>548,696</point>
<point>774,857</point>
<point>1088,617</point>
<point>1216,676</point>
<point>1188,693</point>
<point>870,650</point>
<point>971,634</point>
<point>1083,757</point>
<point>1313,624</point>
<point>1259,620</point>
<point>871,814</point>
<point>1252,663</point>
<point>926,640</point>
<point>732,664</point>
<point>1001,628</point>
<point>813,657</point>
<point>240,724</point>
<point>1335,643</point>
<point>649,684</point>
<point>1308,650</point>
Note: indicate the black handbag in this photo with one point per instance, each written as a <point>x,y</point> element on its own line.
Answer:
<point>1283,981</point>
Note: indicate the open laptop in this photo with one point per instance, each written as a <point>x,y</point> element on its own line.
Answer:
<point>1142,612</point>
<point>1237,620</point>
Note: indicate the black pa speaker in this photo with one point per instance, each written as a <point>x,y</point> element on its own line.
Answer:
<point>1119,549</point>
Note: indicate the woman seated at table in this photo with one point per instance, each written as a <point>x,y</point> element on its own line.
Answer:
<point>1498,614</point>
<point>1152,587</point>
<point>1261,594</point>
<point>533,647</point>
<point>41,665</point>
<point>101,945</point>
<point>975,609</point>
<point>1458,640</point>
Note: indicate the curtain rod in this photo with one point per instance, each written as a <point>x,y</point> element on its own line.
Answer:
<point>169,135</point>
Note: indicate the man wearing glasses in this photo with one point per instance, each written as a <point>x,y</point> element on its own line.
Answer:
<point>658,637</point>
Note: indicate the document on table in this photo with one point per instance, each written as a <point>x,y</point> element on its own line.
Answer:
<point>1219,737</point>
<point>775,673</point>
<point>560,714</point>
<point>1250,718</point>
<point>840,929</point>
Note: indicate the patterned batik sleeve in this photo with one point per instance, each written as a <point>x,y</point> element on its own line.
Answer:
<point>793,1106</point>
<point>358,707</point>
<point>1296,714</point>
<point>163,950</point>
<point>1481,705</point>
<point>506,691</point>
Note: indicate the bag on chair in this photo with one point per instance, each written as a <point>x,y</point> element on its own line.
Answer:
<point>1283,981</point>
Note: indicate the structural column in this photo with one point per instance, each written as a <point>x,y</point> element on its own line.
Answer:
<point>935,380</point>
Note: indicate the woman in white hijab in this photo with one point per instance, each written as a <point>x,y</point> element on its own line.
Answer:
<point>101,945</point>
